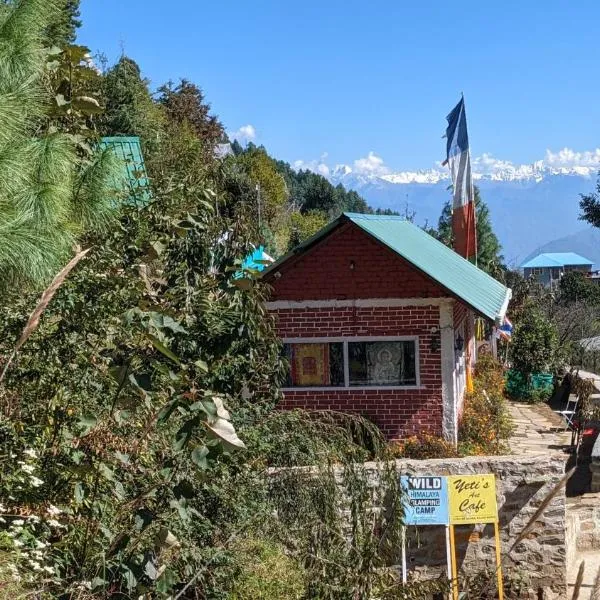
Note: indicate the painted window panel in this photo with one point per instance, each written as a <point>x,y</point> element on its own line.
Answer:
<point>315,364</point>
<point>382,363</point>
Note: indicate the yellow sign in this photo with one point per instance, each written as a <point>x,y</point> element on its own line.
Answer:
<point>472,499</point>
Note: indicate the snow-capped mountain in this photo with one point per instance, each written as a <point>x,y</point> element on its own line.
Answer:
<point>530,205</point>
<point>533,172</point>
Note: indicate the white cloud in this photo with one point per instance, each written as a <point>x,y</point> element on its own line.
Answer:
<point>570,158</point>
<point>488,163</point>
<point>245,134</point>
<point>566,161</point>
<point>316,166</point>
<point>371,165</point>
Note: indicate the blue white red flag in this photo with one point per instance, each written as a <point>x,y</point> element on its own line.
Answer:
<point>458,158</point>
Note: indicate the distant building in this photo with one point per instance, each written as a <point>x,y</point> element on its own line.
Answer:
<point>548,268</point>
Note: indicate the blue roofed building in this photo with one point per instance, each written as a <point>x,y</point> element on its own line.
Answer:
<point>549,267</point>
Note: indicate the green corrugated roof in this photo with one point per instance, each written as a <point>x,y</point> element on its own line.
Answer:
<point>460,277</point>
<point>134,179</point>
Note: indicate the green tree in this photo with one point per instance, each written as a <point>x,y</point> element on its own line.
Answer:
<point>574,286</point>
<point>47,196</point>
<point>534,347</point>
<point>130,109</point>
<point>62,30</point>
<point>62,21</point>
<point>590,206</point>
<point>75,89</point>
<point>303,225</point>
<point>489,256</point>
<point>271,189</point>
<point>185,104</point>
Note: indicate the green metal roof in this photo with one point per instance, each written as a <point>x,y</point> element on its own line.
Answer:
<point>457,275</point>
<point>133,179</point>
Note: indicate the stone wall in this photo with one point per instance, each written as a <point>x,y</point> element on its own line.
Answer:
<point>583,524</point>
<point>522,483</point>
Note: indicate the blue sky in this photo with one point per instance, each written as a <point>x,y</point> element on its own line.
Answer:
<point>348,78</point>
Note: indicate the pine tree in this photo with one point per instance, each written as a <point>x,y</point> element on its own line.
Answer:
<point>62,30</point>
<point>489,257</point>
<point>130,109</point>
<point>47,196</point>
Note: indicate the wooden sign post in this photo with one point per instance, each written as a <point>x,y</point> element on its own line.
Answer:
<point>472,500</point>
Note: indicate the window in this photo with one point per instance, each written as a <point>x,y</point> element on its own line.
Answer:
<point>352,362</point>
<point>315,364</point>
<point>382,363</point>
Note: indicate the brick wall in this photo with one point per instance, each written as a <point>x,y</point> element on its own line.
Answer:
<point>348,265</point>
<point>397,412</point>
<point>324,272</point>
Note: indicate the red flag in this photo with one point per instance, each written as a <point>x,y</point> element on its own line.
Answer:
<point>464,230</point>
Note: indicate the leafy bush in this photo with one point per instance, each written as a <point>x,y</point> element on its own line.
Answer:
<point>304,438</point>
<point>486,421</point>
<point>424,446</point>
<point>266,572</point>
<point>534,347</point>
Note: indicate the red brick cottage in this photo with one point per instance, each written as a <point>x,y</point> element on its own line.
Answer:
<point>377,317</point>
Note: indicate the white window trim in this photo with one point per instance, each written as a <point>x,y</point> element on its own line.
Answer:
<point>345,340</point>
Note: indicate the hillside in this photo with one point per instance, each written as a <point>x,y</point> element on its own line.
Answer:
<point>585,242</point>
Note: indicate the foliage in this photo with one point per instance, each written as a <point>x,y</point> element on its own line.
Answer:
<point>574,287</point>
<point>41,197</point>
<point>303,438</point>
<point>424,446</point>
<point>304,226</point>
<point>266,572</point>
<point>271,190</point>
<point>329,524</point>
<point>484,427</point>
<point>590,206</point>
<point>486,423</point>
<point>488,247</point>
<point>120,395</point>
<point>130,109</point>
<point>535,344</point>
<point>184,104</point>
<point>62,29</point>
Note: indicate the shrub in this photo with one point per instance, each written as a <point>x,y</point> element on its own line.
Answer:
<point>424,446</point>
<point>301,437</point>
<point>535,346</point>
<point>486,421</point>
<point>266,572</point>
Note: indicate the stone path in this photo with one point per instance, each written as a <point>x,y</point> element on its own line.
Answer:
<point>538,429</point>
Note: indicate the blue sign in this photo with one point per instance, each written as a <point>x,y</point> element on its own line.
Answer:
<point>425,500</point>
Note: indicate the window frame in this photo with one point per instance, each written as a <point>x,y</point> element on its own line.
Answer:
<point>345,340</point>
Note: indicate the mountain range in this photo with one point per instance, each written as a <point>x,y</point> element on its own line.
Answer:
<point>533,208</point>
